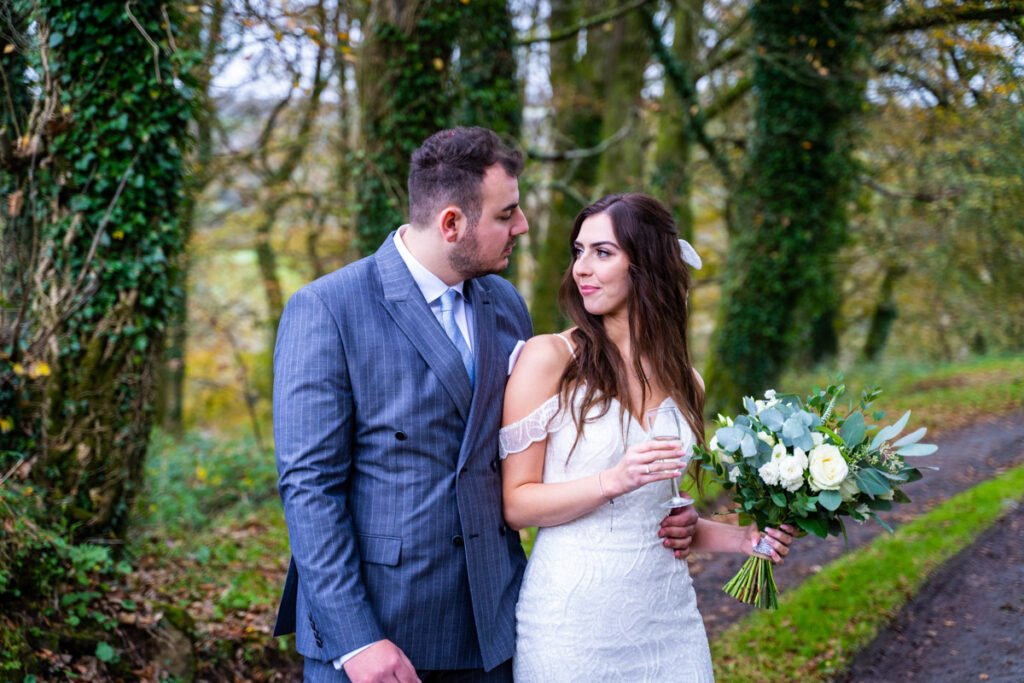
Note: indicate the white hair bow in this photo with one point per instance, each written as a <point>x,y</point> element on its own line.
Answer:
<point>690,255</point>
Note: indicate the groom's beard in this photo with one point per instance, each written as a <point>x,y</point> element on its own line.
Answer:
<point>466,259</point>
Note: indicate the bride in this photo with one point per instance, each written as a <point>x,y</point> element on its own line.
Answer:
<point>602,599</point>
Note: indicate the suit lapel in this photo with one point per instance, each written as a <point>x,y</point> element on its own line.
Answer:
<point>405,304</point>
<point>486,353</point>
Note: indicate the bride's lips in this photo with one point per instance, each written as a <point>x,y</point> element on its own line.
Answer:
<point>588,289</point>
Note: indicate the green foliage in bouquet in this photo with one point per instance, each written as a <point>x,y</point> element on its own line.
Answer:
<point>789,461</point>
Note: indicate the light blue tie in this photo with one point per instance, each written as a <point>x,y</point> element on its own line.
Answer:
<point>451,328</point>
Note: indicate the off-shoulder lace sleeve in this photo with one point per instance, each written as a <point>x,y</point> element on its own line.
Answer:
<point>519,435</point>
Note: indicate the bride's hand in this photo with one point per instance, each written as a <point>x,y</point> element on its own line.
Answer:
<point>779,539</point>
<point>643,464</point>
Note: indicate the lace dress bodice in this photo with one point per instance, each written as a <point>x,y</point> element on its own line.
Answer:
<point>602,599</point>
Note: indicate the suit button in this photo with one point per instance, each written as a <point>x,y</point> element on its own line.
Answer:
<point>458,541</point>
<point>401,436</point>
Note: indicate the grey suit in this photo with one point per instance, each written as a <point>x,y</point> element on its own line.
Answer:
<point>388,470</point>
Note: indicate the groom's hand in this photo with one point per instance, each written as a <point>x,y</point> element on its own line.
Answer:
<point>677,530</point>
<point>382,661</point>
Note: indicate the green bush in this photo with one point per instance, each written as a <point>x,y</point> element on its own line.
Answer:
<point>189,482</point>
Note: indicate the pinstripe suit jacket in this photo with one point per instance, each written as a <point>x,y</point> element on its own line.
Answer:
<point>388,469</point>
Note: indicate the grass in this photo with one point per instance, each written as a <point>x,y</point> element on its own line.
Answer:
<point>824,622</point>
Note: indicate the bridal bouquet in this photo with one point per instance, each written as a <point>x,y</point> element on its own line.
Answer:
<point>797,462</point>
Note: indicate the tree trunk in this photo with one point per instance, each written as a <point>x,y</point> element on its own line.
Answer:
<point>405,98</point>
<point>671,180</point>
<point>577,83</point>
<point>103,201</point>
<point>884,315</point>
<point>791,205</point>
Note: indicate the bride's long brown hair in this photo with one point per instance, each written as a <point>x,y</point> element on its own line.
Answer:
<point>657,314</point>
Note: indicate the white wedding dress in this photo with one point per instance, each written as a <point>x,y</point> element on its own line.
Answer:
<point>602,599</point>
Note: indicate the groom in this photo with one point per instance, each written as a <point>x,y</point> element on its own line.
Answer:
<point>389,375</point>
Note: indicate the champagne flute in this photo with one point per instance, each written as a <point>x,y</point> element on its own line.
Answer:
<point>666,424</point>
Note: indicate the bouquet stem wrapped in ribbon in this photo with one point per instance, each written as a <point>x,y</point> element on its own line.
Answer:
<point>797,462</point>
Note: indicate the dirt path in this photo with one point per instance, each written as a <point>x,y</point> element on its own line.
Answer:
<point>966,457</point>
<point>967,623</point>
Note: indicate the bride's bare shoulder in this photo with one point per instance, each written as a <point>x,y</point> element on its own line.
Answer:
<point>536,375</point>
<point>544,355</point>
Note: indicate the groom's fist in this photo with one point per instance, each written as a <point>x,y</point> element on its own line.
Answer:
<point>382,661</point>
<point>677,530</point>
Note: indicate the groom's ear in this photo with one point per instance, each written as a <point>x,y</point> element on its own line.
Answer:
<point>452,223</point>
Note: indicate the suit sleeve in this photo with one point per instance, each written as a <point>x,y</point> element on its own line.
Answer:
<point>313,433</point>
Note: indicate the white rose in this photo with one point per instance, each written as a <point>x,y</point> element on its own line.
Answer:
<point>791,473</point>
<point>828,469</point>
<point>734,474</point>
<point>767,438</point>
<point>848,489</point>
<point>770,472</point>
<point>800,456</point>
<point>779,451</point>
<point>818,438</point>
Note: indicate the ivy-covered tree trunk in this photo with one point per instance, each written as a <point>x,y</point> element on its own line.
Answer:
<point>486,70</point>
<point>94,176</point>
<point>577,82</point>
<point>671,178</point>
<point>405,98</point>
<point>622,165</point>
<point>790,209</point>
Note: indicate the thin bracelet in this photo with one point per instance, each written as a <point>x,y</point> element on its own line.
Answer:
<point>611,501</point>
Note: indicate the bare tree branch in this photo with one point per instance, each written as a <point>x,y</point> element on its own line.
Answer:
<point>677,76</point>
<point>920,196</point>
<point>948,14</point>
<point>573,154</point>
<point>596,20</point>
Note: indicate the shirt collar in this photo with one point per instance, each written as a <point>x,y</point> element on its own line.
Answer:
<point>431,286</point>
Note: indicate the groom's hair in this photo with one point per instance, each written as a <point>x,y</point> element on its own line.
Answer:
<point>449,167</point>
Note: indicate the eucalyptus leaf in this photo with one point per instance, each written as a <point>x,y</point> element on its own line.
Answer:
<point>772,419</point>
<point>917,449</point>
<point>830,500</point>
<point>793,427</point>
<point>729,438</point>
<point>804,441</point>
<point>814,525</point>
<point>879,520</point>
<point>779,498</point>
<point>749,406</point>
<point>871,482</point>
<point>853,430</point>
<point>747,446</point>
<point>912,437</point>
<point>891,431</point>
